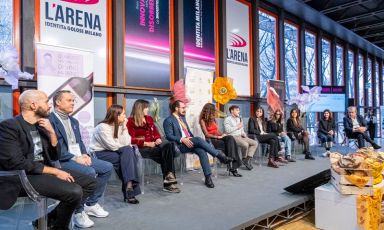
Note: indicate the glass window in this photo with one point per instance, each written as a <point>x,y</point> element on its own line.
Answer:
<point>291,49</point>
<point>369,82</point>
<point>351,73</point>
<point>326,62</point>
<point>267,50</point>
<point>377,88</point>
<point>310,58</point>
<point>6,22</point>
<point>339,65</point>
<point>361,82</point>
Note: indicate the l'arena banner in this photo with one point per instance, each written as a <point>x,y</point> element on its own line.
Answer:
<point>199,36</point>
<point>79,24</point>
<point>147,44</point>
<point>238,46</point>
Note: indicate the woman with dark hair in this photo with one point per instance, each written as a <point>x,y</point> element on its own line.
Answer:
<point>296,131</point>
<point>276,126</point>
<point>257,126</point>
<point>326,130</point>
<point>219,140</point>
<point>111,142</point>
<point>145,135</point>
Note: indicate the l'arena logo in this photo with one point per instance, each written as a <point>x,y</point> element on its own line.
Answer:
<point>237,41</point>
<point>84,2</point>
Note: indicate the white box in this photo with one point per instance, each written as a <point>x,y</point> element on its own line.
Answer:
<point>347,188</point>
<point>334,211</point>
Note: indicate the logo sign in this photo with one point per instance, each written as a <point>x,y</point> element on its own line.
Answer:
<point>85,2</point>
<point>237,41</point>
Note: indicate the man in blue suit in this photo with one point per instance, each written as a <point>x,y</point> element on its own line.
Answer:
<point>74,156</point>
<point>356,128</point>
<point>176,129</point>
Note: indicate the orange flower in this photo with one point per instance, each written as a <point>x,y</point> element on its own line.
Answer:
<point>223,90</point>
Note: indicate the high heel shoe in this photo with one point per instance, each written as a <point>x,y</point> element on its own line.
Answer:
<point>235,173</point>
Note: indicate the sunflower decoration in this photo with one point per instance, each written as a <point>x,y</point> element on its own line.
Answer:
<point>223,90</point>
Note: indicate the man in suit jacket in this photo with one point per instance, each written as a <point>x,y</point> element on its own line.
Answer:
<point>355,127</point>
<point>74,156</point>
<point>28,142</point>
<point>176,129</point>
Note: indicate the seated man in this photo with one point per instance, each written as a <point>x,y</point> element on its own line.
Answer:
<point>233,125</point>
<point>74,156</point>
<point>28,142</point>
<point>355,127</point>
<point>176,129</point>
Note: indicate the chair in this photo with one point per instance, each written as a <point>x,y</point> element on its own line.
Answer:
<point>26,209</point>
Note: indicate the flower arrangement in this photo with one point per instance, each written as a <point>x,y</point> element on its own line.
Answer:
<point>305,100</point>
<point>9,67</point>
<point>223,90</point>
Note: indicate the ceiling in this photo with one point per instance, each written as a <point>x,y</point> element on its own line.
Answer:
<point>364,17</point>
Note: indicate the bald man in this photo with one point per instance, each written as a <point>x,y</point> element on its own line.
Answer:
<point>28,142</point>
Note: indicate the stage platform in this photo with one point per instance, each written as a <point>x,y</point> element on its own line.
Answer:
<point>234,203</point>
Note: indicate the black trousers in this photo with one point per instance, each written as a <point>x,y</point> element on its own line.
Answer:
<point>273,141</point>
<point>162,155</point>
<point>70,195</point>
<point>228,145</point>
<point>360,138</point>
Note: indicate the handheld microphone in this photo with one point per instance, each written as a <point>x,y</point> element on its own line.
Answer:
<point>240,118</point>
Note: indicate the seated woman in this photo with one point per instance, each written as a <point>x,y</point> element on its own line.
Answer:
<point>257,126</point>
<point>276,126</point>
<point>296,131</point>
<point>219,140</point>
<point>326,131</point>
<point>111,142</point>
<point>145,134</point>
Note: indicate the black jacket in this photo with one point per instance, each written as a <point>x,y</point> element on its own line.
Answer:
<point>325,126</point>
<point>253,126</point>
<point>348,124</point>
<point>292,129</point>
<point>274,127</point>
<point>17,153</point>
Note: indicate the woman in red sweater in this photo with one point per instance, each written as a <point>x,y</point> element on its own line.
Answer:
<point>146,136</point>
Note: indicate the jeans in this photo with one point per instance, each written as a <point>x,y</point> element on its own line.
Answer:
<point>325,138</point>
<point>287,144</point>
<point>201,147</point>
<point>99,169</point>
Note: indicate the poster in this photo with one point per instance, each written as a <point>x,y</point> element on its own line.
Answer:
<point>80,24</point>
<point>238,46</point>
<point>147,44</point>
<point>63,68</point>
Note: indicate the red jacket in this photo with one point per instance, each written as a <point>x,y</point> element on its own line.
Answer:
<point>147,133</point>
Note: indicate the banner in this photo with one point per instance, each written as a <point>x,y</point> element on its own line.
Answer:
<point>198,87</point>
<point>147,47</point>
<point>61,68</point>
<point>79,24</point>
<point>199,35</point>
<point>275,96</point>
<point>238,46</point>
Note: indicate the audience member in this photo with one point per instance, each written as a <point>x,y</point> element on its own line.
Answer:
<point>233,126</point>
<point>296,131</point>
<point>111,142</point>
<point>219,140</point>
<point>176,129</point>
<point>145,134</point>
<point>28,142</point>
<point>73,156</point>
<point>326,131</point>
<point>371,121</point>
<point>355,128</point>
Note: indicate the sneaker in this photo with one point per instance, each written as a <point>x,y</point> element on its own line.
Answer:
<point>326,154</point>
<point>171,188</point>
<point>81,220</point>
<point>170,178</point>
<point>247,163</point>
<point>95,210</point>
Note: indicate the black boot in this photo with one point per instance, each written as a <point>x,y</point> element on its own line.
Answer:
<point>309,156</point>
<point>209,182</point>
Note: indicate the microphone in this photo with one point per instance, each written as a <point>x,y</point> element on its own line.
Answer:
<point>240,118</point>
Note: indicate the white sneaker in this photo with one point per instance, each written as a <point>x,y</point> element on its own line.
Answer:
<point>95,210</point>
<point>326,154</point>
<point>82,220</point>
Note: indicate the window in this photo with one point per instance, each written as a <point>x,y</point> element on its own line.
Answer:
<point>326,62</point>
<point>291,58</point>
<point>267,50</point>
<point>351,74</point>
<point>310,58</point>
<point>361,82</point>
<point>369,82</point>
<point>377,83</point>
<point>339,65</point>
<point>6,23</point>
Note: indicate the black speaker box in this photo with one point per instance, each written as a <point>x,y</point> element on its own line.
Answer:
<point>309,184</point>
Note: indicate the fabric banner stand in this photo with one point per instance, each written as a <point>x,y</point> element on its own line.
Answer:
<point>198,86</point>
<point>64,68</point>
